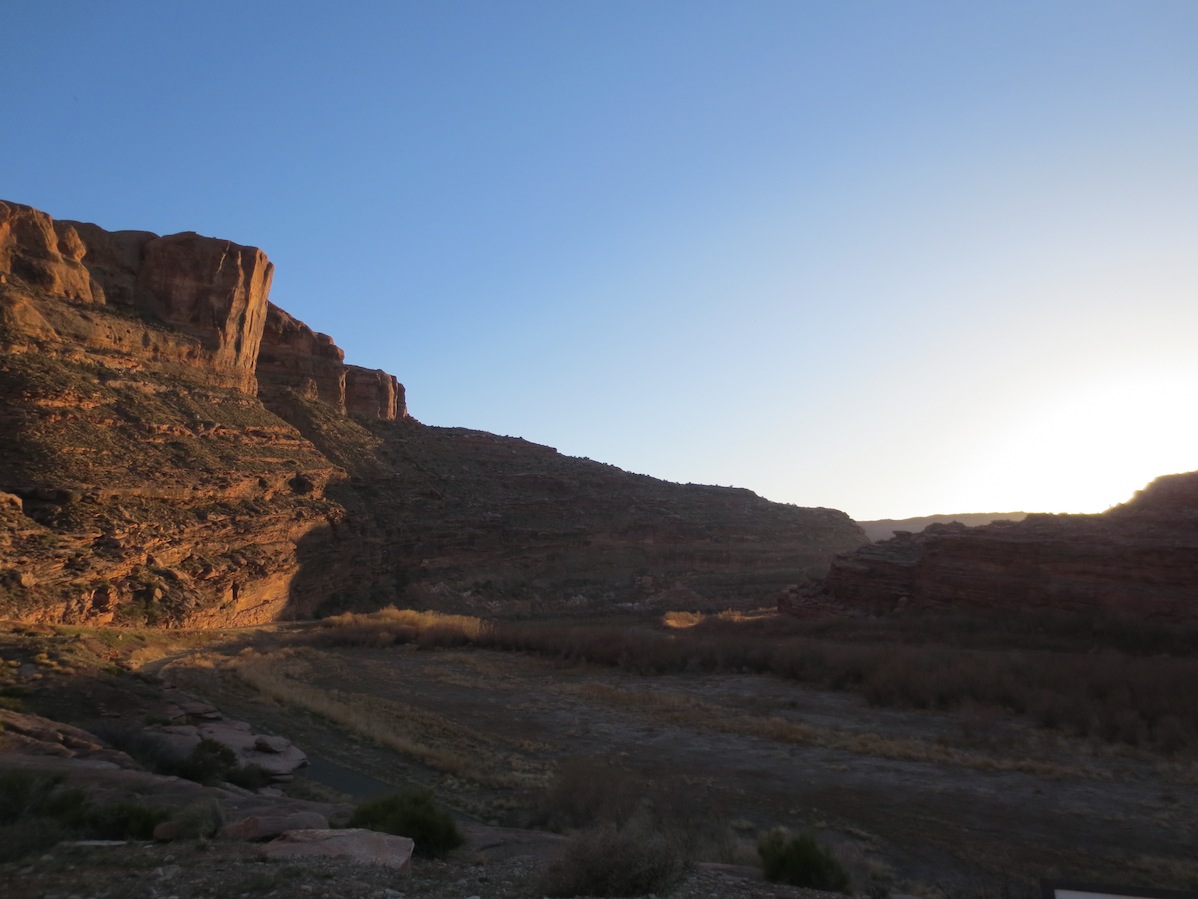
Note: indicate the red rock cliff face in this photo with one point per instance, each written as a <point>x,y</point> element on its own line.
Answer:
<point>174,450</point>
<point>55,276</point>
<point>213,289</point>
<point>31,250</point>
<point>374,393</point>
<point>293,357</point>
<point>1140,558</point>
<point>212,293</point>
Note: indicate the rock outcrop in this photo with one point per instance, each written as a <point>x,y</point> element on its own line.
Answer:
<point>177,451</point>
<point>1138,559</point>
<point>58,279</point>
<point>294,358</point>
<point>45,257</point>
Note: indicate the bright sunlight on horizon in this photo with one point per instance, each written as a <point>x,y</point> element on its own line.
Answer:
<point>895,259</point>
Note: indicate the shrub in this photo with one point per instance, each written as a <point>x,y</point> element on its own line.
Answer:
<point>604,861</point>
<point>197,820</point>
<point>250,777</point>
<point>798,860</point>
<point>209,763</point>
<point>586,791</point>
<point>25,795</point>
<point>413,815</point>
<point>36,812</point>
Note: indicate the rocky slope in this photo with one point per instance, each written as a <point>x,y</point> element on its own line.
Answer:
<point>176,450</point>
<point>1140,558</point>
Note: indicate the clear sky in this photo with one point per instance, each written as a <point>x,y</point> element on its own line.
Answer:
<point>894,257</point>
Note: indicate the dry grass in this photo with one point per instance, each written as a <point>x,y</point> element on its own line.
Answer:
<point>1115,696</point>
<point>681,620</point>
<point>391,626</point>
<point>289,676</point>
<point>685,711</point>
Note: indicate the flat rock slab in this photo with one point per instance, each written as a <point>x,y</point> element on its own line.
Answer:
<point>276,755</point>
<point>264,743</point>
<point>356,844</point>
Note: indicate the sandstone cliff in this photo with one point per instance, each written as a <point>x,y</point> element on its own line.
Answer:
<point>174,449</point>
<point>294,357</point>
<point>1140,559</point>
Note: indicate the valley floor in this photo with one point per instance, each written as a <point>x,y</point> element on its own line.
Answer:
<point>909,799</point>
<point>971,802</point>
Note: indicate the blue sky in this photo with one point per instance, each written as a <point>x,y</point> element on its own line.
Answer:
<point>890,257</point>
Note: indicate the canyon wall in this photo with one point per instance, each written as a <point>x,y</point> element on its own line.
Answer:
<point>176,450</point>
<point>1138,559</point>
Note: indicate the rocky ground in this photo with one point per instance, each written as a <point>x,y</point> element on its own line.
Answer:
<point>221,870</point>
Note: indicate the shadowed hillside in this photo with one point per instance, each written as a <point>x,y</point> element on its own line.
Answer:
<point>1139,559</point>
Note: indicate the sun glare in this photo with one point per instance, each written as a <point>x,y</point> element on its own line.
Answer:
<point>1089,445</point>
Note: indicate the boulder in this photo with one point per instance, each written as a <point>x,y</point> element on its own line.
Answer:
<point>237,736</point>
<point>264,743</point>
<point>200,710</point>
<point>356,844</point>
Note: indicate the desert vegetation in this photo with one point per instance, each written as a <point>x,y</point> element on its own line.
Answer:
<point>799,860</point>
<point>37,811</point>
<point>414,815</point>
<point>1105,678</point>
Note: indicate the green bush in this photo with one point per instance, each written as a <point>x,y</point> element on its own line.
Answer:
<point>798,860</point>
<point>413,815</point>
<point>604,861</point>
<point>209,763</point>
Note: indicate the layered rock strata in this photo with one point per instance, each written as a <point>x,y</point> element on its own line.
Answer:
<point>293,357</point>
<point>1137,559</point>
<point>177,451</point>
